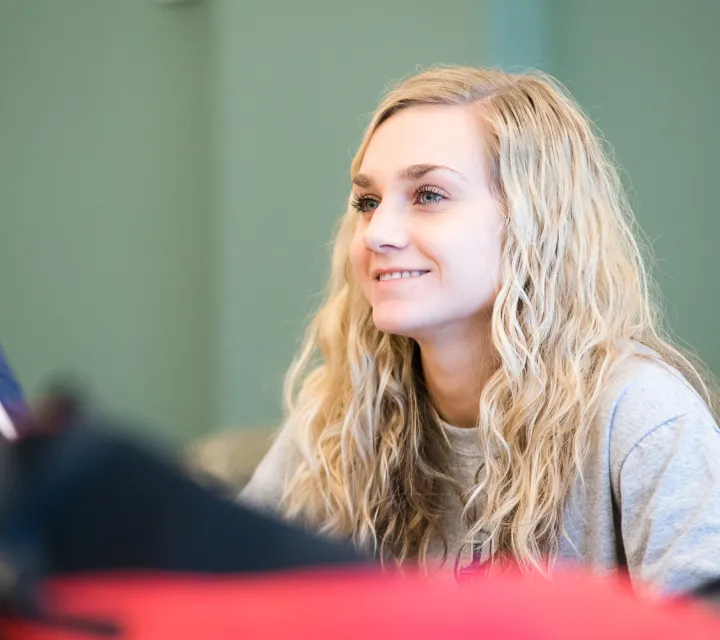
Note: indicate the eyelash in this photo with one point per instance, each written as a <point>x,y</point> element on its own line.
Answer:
<point>359,201</point>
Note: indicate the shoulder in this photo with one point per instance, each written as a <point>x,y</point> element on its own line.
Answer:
<point>647,399</point>
<point>267,484</point>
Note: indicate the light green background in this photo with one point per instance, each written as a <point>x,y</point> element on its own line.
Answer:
<point>105,224</point>
<point>170,177</point>
<point>648,72</point>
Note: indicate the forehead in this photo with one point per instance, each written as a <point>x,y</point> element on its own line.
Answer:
<point>428,134</point>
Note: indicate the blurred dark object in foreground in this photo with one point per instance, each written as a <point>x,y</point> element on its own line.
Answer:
<point>709,594</point>
<point>100,537</point>
<point>84,498</point>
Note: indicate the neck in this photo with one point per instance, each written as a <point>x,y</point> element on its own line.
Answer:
<point>456,370</point>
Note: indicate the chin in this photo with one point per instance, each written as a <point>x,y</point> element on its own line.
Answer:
<point>398,324</point>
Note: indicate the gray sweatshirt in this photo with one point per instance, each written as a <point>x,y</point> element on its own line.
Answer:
<point>650,502</point>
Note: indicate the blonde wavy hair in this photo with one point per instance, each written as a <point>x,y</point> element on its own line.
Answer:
<point>574,290</point>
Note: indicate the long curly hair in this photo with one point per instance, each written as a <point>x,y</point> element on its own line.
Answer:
<point>574,289</point>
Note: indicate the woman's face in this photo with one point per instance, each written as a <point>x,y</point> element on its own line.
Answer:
<point>428,240</point>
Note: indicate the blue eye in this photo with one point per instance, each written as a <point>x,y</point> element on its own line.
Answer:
<point>428,195</point>
<point>365,204</point>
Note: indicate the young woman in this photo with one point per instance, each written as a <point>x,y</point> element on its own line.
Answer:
<point>488,376</point>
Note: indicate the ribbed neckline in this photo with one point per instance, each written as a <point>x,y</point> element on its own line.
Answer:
<point>463,441</point>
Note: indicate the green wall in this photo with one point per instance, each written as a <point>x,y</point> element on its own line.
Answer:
<point>647,72</point>
<point>169,180</point>
<point>105,227</point>
<point>295,83</point>
<point>170,177</point>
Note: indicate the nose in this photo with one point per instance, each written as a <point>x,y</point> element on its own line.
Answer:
<point>387,230</point>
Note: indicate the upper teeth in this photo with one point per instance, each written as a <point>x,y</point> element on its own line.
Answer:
<point>395,275</point>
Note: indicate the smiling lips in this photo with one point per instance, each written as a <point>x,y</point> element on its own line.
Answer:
<point>386,276</point>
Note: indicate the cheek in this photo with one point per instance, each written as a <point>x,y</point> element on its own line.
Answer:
<point>491,267</point>
<point>476,259</point>
<point>491,252</point>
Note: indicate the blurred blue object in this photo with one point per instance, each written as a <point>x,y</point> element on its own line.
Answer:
<point>11,400</point>
<point>10,391</point>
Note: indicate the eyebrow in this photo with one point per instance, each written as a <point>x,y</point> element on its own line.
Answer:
<point>413,172</point>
